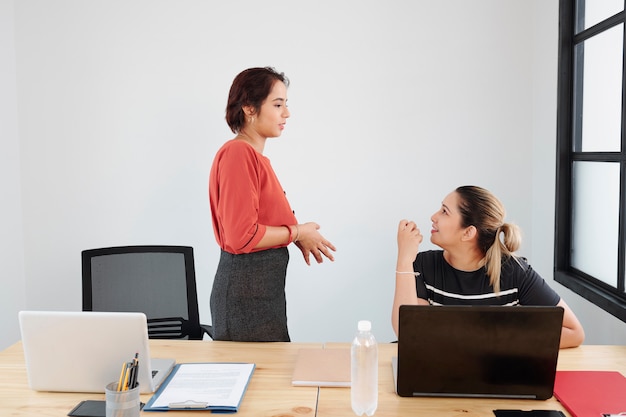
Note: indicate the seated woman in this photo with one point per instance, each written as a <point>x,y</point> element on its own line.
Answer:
<point>477,265</point>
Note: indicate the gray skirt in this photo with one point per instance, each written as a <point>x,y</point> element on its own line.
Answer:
<point>248,297</point>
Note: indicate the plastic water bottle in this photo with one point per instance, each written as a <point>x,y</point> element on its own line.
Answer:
<point>364,363</point>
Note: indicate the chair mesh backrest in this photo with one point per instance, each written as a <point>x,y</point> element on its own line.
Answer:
<point>156,280</point>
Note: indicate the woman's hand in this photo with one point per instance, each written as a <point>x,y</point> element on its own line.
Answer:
<point>310,241</point>
<point>409,239</point>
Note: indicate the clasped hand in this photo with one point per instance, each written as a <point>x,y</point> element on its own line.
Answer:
<point>409,239</point>
<point>311,242</point>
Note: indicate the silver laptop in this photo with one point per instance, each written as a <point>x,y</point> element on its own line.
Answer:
<point>84,351</point>
<point>477,351</point>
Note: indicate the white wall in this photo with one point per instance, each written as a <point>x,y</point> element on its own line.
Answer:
<point>393,104</point>
<point>12,292</point>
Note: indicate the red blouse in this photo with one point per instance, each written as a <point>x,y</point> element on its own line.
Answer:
<point>245,197</point>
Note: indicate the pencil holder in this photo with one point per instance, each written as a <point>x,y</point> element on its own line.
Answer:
<point>121,403</point>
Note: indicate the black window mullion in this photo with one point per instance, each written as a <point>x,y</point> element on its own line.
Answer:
<point>578,71</point>
<point>598,156</point>
<point>579,16</point>
<point>599,28</point>
<point>621,258</point>
<point>621,247</point>
<point>563,233</point>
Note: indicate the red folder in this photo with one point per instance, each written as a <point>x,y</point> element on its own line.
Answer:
<point>591,393</point>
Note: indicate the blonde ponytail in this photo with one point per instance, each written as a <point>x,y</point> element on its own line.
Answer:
<point>500,249</point>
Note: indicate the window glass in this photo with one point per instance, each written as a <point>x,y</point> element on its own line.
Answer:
<point>598,84</point>
<point>595,196</point>
<point>591,12</point>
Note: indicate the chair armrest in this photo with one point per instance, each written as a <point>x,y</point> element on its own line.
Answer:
<point>208,329</point>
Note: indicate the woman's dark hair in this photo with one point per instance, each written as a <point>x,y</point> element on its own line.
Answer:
<point>250,88</point>
<point>481,209</point>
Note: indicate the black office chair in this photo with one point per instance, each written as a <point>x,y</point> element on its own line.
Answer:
<point>159,281</point>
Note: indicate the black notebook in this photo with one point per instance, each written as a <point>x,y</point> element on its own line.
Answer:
<point>528,413</point>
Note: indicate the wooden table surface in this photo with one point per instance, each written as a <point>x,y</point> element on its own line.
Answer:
<point>335,402</point>
<point>270,393</point>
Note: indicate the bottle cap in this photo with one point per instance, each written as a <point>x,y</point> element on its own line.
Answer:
<point>364,325</point>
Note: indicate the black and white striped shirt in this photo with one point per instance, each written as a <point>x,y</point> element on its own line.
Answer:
<point>441,284</point>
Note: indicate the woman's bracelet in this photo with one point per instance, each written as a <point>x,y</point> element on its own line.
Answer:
<point>289,230</point>
<point>295,239</point>
<point>412,273</point>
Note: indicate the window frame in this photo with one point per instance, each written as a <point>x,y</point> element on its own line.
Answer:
<point>607,297</point>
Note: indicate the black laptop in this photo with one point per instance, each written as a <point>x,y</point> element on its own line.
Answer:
<point>478,351</point>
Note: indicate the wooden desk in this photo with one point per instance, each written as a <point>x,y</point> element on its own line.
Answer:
<point>269,393</point>
<point>335,402</point>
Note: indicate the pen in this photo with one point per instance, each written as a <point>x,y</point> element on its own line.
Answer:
<point>134,372</point>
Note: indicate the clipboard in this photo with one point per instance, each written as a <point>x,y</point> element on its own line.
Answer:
<point>213,386</point>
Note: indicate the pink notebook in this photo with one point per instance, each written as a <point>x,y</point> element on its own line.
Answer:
<point>591,393</point>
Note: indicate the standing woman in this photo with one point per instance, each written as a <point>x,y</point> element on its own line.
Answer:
<point>477,265</point>
<point>252,219</point>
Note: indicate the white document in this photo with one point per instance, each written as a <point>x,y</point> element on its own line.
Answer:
<point>203,386</point>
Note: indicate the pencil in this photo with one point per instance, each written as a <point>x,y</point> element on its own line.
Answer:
<point>121,380</point>
<point>127,376</point>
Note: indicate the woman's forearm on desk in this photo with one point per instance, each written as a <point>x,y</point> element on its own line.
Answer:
<point>572,333</point>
